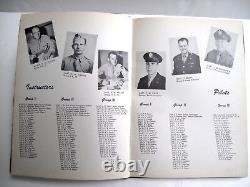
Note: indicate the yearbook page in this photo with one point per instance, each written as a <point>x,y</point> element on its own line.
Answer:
<point>77,114</point>
<point>189,106</point>
<point>72,96</point>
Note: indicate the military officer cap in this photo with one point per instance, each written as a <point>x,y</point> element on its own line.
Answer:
<point>152,57</point>
<point>222,35</point>
<point>79,36</point>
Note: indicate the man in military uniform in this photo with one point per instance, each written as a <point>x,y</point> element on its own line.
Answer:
<point>153,80</point>
<point>77,61</point>
<point>220,55</point>
<point>112,75</point>
<point>186,62</point>
<point>41,47</point>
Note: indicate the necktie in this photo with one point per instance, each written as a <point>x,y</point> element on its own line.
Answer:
<point>78,65</point>
<point>149,81</point>
<point>218,57</point>
<point>184,58</point>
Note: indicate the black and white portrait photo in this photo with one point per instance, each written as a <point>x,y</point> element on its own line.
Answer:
<point>79,52</point>
<point>184,56</point>
<point>221,47</point>
<point>151,70</point>
<point>41,42</point>
<point>112,70</point>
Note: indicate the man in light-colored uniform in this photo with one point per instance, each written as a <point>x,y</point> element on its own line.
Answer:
<point>220,55</point>
<point>41,47</point>
<point>78,62</point>
<point>113,75</point>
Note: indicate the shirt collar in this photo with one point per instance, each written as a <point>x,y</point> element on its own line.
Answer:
<point>79,56</point>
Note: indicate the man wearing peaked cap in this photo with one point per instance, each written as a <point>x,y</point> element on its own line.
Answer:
<point>186,62</point>
<point>153,80</point>
<point>221,34</point>
<point>220,55</point>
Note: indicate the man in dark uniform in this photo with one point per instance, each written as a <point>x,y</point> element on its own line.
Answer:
<point>153,80</point>
<point>220,55</point>
<point>186,62</point>
<point>78,62</point>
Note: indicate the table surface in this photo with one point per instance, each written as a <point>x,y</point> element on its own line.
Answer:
<point>9,23</point>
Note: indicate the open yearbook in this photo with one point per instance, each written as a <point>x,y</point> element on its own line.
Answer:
<point>104,96</point>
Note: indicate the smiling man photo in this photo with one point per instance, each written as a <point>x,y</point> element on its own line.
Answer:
<point>41,47</point>
<point>186,62</point>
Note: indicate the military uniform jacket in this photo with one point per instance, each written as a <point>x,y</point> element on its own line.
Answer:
<point>224,59</point>
<point>42,48</point>
<point>43,45</point>
<point>77,64</point>
<point>157,83</point>
<point>191,66</point>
